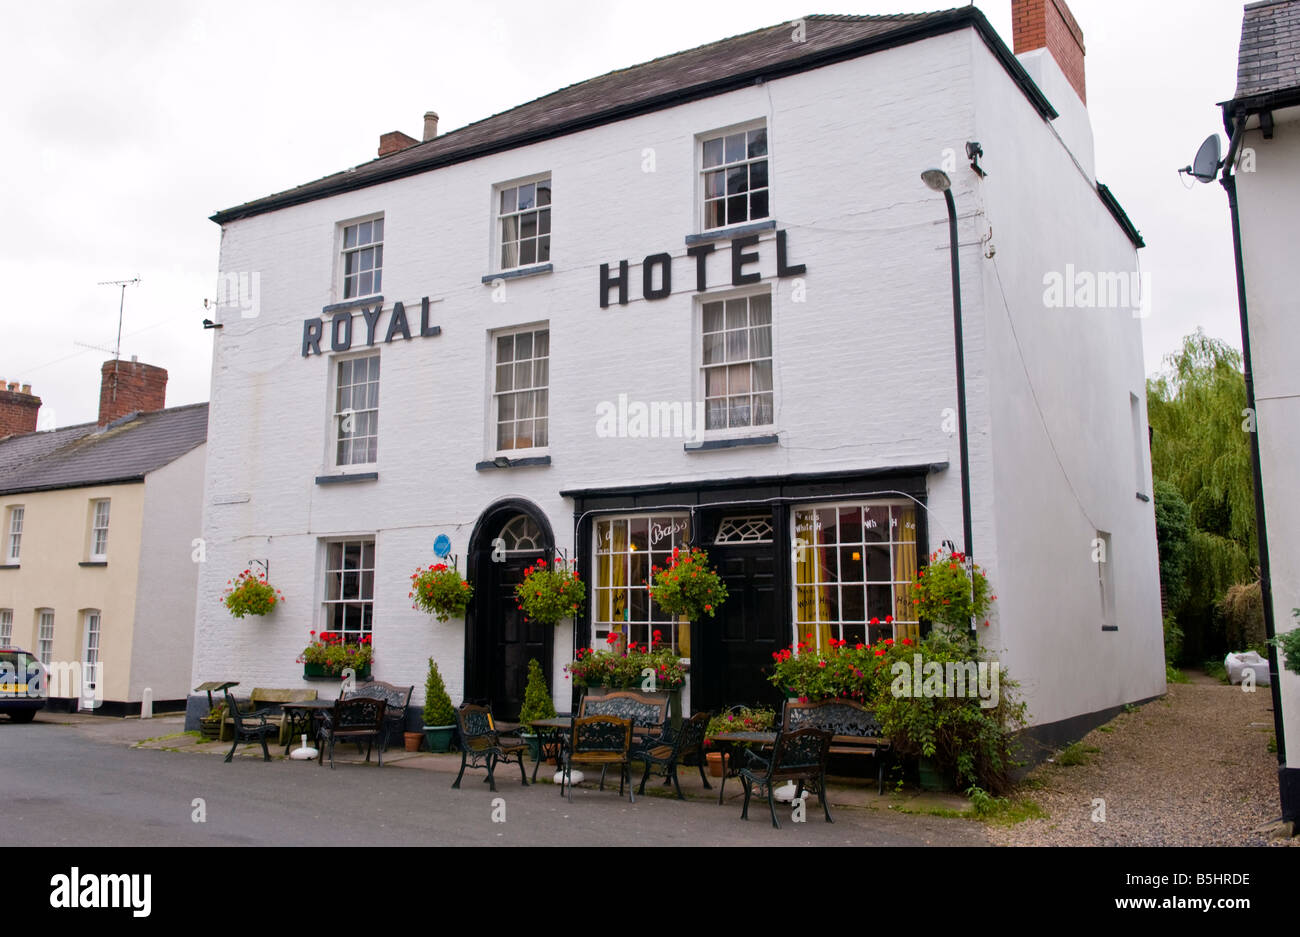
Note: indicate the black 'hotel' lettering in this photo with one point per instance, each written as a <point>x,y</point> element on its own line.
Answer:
<point>311,331</point>
<point>664,262</point>
<point>606,283</point>
<point>739,259</point>
<point>700,252</point>
<point>782,268</point>
<point>397,323</point>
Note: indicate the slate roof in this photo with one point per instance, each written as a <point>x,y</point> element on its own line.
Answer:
<point>1269,57</point>
<point>126,450</point>
<point>712,69</point>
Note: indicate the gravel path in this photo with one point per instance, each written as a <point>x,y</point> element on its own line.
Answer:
<point>1192,769</point>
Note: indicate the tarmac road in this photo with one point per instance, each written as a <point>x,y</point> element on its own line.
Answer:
<point>82,784</point>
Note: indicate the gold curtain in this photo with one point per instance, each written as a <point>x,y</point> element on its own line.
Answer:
<point>905,572</point>
<point>806,604</point>
<point>618,579</point>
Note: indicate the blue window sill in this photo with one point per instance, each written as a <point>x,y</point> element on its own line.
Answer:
<point>709,445</point>
<point>520,272</point>
<point>352,304</point>
<point>724,234</point>
<point>346,479</point>
<point>513,463</point>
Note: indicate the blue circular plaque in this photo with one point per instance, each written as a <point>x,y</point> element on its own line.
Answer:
<point>442,545</point>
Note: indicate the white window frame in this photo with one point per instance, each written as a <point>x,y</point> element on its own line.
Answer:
<point>6,627</point>
<point>98,544</point>
<point>544,219</point>
<point>338,415</point>
<point>542,390</point>
<point>1140,446</point>
<point>344,251</point>
<point>895,594</point>
<point>92,625</point>
<point>345,594</point>
<point>640,631</point>
<point>45,635</point>
<point>702,194</point>
<point>14,534</point>
<point>700,368</point>
<point>1106,577</point>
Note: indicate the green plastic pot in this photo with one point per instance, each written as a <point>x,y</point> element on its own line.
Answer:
<point>438,737</point>
<point>931,778</point>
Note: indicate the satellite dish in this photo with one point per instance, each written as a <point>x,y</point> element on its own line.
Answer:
<point>1206,165</point>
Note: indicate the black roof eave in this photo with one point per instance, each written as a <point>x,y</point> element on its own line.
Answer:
<point>61,486</point>
<point>940,24</point>
<point>1257,104</point>
<point>1121,217</point>
<point>920,470</point>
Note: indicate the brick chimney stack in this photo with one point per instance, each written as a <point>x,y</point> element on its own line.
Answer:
<point>129,386</point>
<point>394,142</point>
<point>1049,24</point>
<point>18,409</point>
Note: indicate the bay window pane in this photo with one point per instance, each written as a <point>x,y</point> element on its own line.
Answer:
<point>875,523</point>
<point>853,603</point>
<point>878,565</point>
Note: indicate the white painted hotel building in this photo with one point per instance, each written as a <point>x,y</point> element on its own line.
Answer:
<point>445,341</point>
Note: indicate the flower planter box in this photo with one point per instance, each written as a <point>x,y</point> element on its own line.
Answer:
<point>209,729</point>
<point>318,672</point>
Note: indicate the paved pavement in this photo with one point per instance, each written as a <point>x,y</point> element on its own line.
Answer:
<point>90,780</point>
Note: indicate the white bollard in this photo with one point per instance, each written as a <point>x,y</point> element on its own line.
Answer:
<point>146,703</point>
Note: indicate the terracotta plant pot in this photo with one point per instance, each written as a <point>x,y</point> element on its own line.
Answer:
<point>715,764</point>
<point>413,740</point>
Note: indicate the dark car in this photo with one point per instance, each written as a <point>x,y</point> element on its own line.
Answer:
<point>22,684</point>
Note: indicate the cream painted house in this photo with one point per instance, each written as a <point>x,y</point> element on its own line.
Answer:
<point>96,560</point>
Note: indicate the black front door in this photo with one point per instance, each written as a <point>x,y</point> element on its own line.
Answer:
<point>510,642</point>
<point>739,641</point>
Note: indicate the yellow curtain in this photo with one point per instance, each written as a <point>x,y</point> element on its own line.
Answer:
<point>806,604</point>
<point>618,580</point>
<point>905,572</point>
<point>824,632</point>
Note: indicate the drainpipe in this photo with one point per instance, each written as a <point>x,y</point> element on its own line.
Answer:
<point>1288,781</point>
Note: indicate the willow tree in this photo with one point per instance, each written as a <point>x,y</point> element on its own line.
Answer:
<point>1201,445</point>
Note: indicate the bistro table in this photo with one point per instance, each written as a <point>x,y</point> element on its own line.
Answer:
<point>302,717</point>
<point>729,741</point>
<point>551,735</point>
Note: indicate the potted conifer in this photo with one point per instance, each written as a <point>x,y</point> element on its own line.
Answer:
<point>439,714</point>
<point>537,705</point>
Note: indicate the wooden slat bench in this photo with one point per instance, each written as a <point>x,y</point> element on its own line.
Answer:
<point>263,698</point>
<point>854,729</point>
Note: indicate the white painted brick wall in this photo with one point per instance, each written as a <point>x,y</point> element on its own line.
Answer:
<point>864,367</point>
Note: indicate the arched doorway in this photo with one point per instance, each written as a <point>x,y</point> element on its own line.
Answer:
<point>509,536</point>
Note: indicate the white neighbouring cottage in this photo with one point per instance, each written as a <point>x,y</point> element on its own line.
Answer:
<point>1262,120</point>
<point>441,335</point>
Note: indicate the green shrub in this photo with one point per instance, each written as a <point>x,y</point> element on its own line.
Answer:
<point>968,742</point>
<point>1289,645</point>
<point>537,698</point>
<point>438,710</point>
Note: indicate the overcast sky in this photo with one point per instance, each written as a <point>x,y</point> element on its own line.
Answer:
<point>125,125</point>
